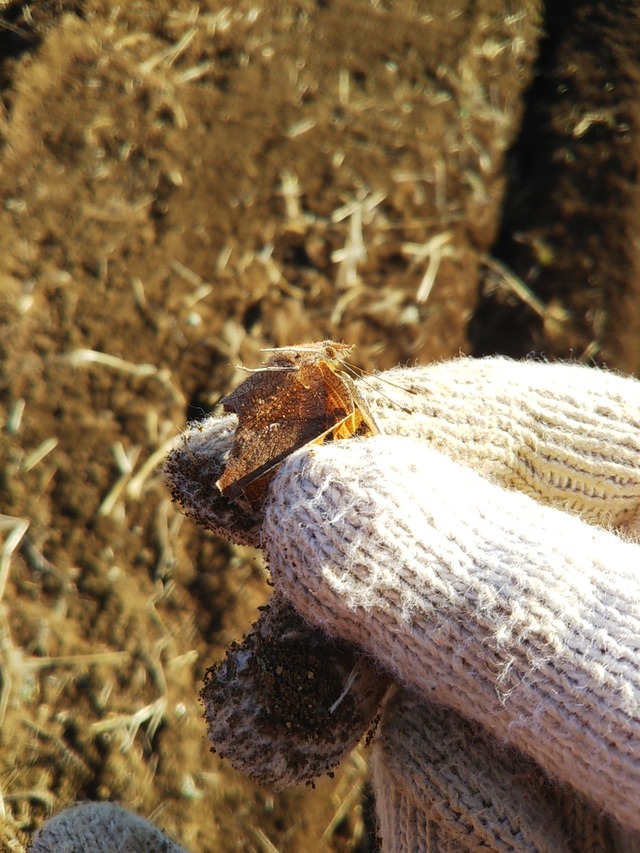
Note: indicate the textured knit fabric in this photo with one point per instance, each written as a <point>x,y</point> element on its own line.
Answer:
<point>443,785</point>
<point>518,616</point>
<point>565,434</point>
<point>100,827</point>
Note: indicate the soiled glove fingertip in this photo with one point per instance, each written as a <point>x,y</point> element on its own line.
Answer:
<point>192,467</point>
<point>287,704</point>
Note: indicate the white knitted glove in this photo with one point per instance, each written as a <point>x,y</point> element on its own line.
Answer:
<point>522,618</point>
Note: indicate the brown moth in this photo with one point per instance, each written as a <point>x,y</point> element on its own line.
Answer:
<point>303,395</point>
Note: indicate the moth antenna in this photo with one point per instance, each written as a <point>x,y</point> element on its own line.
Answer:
<point>361,374</point>
<point>270,368</point>
<point>354,369</point>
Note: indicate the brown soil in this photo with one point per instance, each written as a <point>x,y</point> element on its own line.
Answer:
<point>184,183</point>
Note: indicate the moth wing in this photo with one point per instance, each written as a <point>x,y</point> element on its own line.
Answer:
<point>278,412</point>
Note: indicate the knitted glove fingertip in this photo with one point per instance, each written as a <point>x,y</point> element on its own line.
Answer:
<point>288,704</point>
